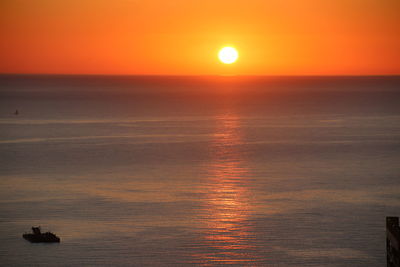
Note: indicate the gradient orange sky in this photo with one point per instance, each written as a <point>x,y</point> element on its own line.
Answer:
<point>182,37</point>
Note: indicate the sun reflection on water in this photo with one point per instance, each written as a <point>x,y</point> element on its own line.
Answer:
<point>228,237</point>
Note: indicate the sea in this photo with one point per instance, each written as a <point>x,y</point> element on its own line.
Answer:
<point>198,170</point>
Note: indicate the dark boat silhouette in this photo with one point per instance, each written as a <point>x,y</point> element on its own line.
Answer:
<point>39,237</point>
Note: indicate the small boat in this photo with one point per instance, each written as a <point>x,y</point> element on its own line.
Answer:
<point>38,237</point>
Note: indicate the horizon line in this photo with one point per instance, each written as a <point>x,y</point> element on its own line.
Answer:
<point>200,75</point>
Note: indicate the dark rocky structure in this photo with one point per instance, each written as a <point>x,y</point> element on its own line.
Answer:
<point>393,241</point>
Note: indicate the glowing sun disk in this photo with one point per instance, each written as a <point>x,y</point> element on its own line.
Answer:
<point>228,55</point>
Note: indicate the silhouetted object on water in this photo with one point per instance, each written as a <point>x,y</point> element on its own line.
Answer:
<point>38,237</point>
<point>16,112</point>
<point>393,241</point>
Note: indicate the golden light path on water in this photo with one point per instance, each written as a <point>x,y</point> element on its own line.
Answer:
<point>228,235</point>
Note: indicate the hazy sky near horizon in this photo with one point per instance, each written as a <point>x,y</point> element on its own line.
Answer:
<point>182,37</point>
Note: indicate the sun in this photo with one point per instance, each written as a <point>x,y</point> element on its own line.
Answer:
<point>228,55</point>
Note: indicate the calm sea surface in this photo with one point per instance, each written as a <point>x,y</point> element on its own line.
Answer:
<point>205,171</point>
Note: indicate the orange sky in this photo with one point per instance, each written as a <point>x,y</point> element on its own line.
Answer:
<point>182,37</point>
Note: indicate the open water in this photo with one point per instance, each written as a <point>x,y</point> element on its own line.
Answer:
<point>204,171</point>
